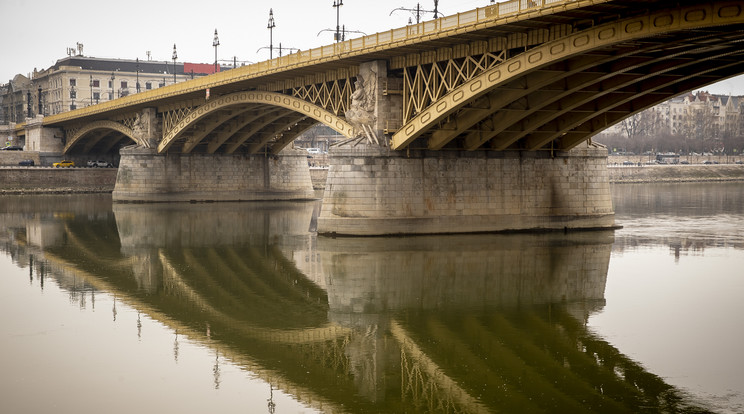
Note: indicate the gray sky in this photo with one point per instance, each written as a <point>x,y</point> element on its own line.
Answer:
<point>36,36</point>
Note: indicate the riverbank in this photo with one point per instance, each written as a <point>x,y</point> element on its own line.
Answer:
<point>675,173</point>
<point>23,180</point>
<point>630,174</point>
<point>33,180</point>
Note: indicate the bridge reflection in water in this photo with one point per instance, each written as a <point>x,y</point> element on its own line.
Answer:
<point>427,324</point>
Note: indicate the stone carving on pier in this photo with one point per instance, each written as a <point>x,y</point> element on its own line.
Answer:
<point>362,111</point>
<point>145,128</point>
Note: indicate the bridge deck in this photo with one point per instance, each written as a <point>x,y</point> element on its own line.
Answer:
<point>482,23</point>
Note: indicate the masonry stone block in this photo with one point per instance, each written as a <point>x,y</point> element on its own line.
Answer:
<point>423,192</point>
<point>147,176</point>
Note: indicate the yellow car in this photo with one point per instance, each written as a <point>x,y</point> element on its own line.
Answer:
<point>63,163</point>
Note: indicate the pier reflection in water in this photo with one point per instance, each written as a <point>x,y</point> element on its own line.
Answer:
<point>427,324</point>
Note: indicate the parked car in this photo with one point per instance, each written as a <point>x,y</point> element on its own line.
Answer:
<point>12,148</point>
<point>26,163</point>
<point>99,164</point>
<point>63,163</point>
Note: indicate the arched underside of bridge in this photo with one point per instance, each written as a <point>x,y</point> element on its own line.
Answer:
<point>99,137</point>
<point>247,122</point>
<point>559,94</point>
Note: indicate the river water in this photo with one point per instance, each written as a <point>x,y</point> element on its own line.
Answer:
<point>240,308</point>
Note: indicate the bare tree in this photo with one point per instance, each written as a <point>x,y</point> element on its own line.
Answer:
<point>699,129</point>
<point>640,128</point>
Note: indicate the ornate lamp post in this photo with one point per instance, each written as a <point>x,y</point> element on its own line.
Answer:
<point>174,57</point>
<point>337,5</point>
<point>271,27</point>
<point>111,97</point>
<point>91,89</point>
<point>215,43</point>
<point>418,11</point>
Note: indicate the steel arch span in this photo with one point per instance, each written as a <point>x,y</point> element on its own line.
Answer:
<point>560,93</point>
<point>84,135</point>
<point>251,115</point>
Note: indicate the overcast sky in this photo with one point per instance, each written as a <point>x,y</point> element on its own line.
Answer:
<point>37,34</point>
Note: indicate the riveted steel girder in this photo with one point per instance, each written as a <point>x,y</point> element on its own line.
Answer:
<point>704,32</point>
<point>269,99</point>
<point>253,129</point>
<point>287,137</point>
<point>86,129</point>
<point>273,132</point>
<point>236,125</point>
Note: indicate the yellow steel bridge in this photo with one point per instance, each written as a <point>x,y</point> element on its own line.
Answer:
<point>522,74</point>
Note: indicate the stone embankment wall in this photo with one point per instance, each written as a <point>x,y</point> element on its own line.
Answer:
<point>56,180</point>
<point>692,159</point>
<point>12,158</point>
<point>676,173</point>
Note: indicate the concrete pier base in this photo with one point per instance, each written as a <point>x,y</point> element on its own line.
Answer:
<point>376,191</point>
<point>145,176</point>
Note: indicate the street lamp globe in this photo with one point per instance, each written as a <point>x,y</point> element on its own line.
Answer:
<point>215,43</point>
<point>174,57</point>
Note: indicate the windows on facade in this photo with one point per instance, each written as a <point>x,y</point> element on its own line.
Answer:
<point>73,82</point>
<point>73,94</point>
<point>96,96</point>
<point>123,84</point>
<point>96,83</point>
<point>148,85</point>
<point>73,106</point>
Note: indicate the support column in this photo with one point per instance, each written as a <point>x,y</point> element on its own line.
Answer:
<point>45,140</point>
<point>146,176</point>
<point>376,191</point>
<point>377,103</point>
<point>148,128</point>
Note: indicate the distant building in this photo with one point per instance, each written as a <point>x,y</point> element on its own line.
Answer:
<point>721,113</point>
<point>15,97</point>
<point>79,81</point>
<point>717,115</point>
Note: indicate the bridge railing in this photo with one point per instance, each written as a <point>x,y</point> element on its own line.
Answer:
<point>433,28</point>
<point>408,32</point>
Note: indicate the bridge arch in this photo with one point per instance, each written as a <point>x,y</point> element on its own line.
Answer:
<point>302,108</point>
<point>480,100</point>
<point>79,135</point>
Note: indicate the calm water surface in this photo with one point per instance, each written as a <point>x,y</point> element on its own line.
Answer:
<point>240,308</point>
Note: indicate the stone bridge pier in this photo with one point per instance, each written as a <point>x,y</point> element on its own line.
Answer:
<point>148,176</point>
<point>373,190</point>
<point>376,191</point>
